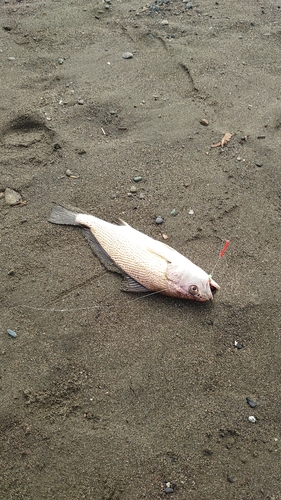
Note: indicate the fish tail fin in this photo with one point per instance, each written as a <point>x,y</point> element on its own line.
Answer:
<point>61,215</point>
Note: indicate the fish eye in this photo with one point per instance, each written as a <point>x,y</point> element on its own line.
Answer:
<point>193,289</point>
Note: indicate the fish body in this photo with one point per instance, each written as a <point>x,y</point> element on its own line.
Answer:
<point>147,264</point>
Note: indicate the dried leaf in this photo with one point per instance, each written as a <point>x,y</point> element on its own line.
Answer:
<point>223,142</point>
<point>226,138</point>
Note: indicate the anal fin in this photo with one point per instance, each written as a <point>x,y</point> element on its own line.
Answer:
<point>100,252</point>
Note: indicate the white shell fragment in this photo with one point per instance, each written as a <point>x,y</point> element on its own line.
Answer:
<point>12,197</point>
<point>252,419</point>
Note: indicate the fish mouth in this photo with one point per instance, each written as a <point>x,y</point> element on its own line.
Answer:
<point>213,286</point>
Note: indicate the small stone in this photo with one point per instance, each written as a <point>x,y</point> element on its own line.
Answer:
<point>168,490</point>
<point>239,158</point>
<point>251,403</point>
<point>12,197</point>
<point>81,101</point>
<point>138,178</point>
<point>68,172</point>
<point>258,163</point>
<point>133,189</point>
<point>11,58</point>
<point>159,220</point>
<point>165,22</point>
<point>252,419</point>
<point>237,345</point>
<point>127,55</point>
<point>191,212</point>
<point>11,333</point>
<point>204,122</point>
<point>189,5</point>
<point>141,196</point>
<point>174,212</point>
<point>60,60</point>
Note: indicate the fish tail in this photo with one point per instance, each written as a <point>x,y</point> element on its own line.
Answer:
<point>61,215</point>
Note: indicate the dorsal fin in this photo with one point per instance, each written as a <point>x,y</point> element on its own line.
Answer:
<point>121,222</point>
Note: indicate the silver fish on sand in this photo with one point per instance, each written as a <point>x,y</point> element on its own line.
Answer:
<point>148,265</point>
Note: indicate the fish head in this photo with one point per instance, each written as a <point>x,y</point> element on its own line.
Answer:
<point>201,290</point>
<point>191,282</point>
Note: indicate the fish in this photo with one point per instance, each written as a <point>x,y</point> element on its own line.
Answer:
<point>148,265</point>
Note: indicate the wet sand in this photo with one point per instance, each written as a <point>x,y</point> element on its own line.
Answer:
<point>105,397</point>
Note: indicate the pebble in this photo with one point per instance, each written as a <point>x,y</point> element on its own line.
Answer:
<point>191,212</point>
<point>141,196</point>
<point>258,163</point>
<point>159,220</point>
<point>11,333</point>
<point>81,101</point>
<point>204,122</point>
<point>68,172</point>
<point>12,197</point>
<point>127,55</point>
<point>251,403</point>
<point>60,60</point>
<point>165,22</point>
<point>168,490</point>
<point>237,345</point>
<point>133,189</point>
<point>189,5</point>
<point>239,158</point>
<point>252,419</point>
<point>138,178</point>
<point>174,212</point>
<point>11,58</point>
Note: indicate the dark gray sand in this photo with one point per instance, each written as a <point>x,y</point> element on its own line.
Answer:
<point>104,396</point>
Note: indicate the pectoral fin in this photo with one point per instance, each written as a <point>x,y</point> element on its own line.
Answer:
<point>161,252</point>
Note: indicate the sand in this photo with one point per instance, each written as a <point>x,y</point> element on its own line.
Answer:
<point>107,395</point>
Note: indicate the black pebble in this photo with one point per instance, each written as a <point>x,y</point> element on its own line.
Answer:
<point>238,346</point>
<point>168,490</point>
<point>251,403</point>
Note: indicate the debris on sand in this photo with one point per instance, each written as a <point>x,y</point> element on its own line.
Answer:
<point>12,197</point>
<point>223,142</point>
